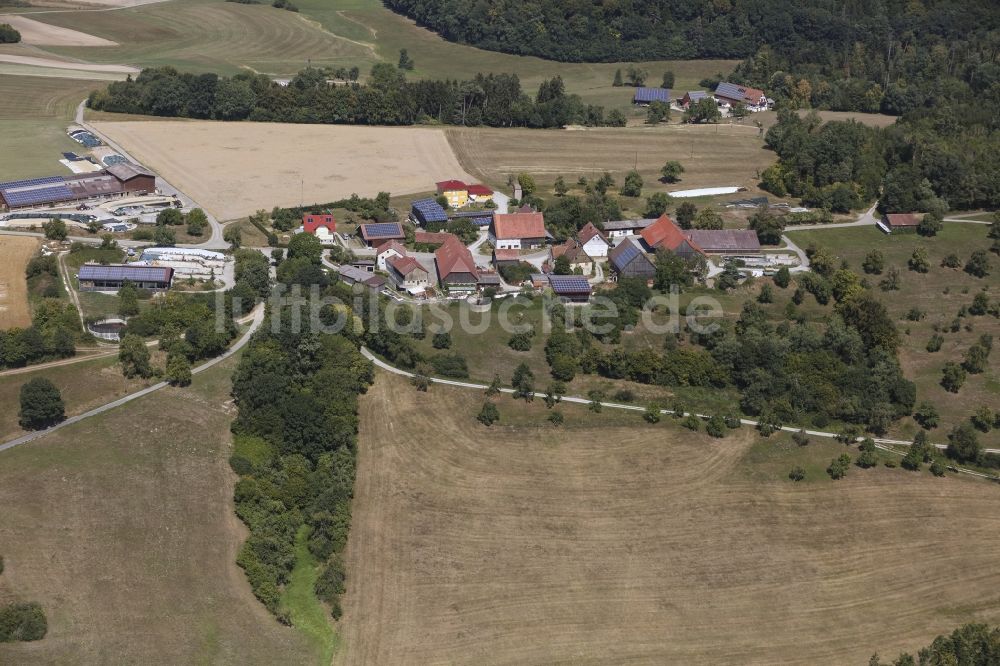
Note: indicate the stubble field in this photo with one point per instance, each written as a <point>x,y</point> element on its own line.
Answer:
<point>712,155</point>
<point>14,256</point>
<point>122,527</point>
<point>612,541</point>
<point>234,169</point>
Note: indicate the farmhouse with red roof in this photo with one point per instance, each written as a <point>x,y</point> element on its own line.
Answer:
<point>516,231</point>
<point>320,225</point>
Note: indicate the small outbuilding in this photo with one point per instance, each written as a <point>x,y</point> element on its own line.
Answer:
<point>571,288</point>
<point>629,260</point>
<point>645,96</point>
<point>901,222</point>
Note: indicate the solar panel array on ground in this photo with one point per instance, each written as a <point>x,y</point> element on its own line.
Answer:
<point>652,95</point>
<point>113,273</point>
<point>569,284</point>
<point>382,230</point>
<point>428,210</point>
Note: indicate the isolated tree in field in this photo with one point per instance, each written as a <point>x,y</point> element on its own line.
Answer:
<point>926,415</point>
<point>41,404</point>
<point>931,224</point>
<point>604,183</point>
<point>976,359</point>
<point>523,382</point>
<point>766,294</point>
<point>133,354</point>
<point>556,417</point>
<point>8,35</point>
<point>963,444</point>
<point>657,204</point>
<point>405,61</point>
<point>983,419</point>
<point>494,387</point>
<point>560,187</point>
<point>978,264</point>
<point>636,76</point>
<point>178,370</point>
<point>633,184</point>
<point>980,304</point>
<point>55,229</point>
<point>668,79</point>
<point>128,299</point>
<point>952,377</point>
<point>716,426</point>
<point>874,262</point>
<point>489,414</point>
<point>618,82</point>
<point>918,261</point>
<point>671,173</point>
<point>783,277</point>
<point>839,466</point>
<point>951,260</point>
<point>797,474</point>
<point>652,413</point>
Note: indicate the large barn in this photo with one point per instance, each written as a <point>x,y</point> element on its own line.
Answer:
<point>110,277</point>
<point>116,180</point>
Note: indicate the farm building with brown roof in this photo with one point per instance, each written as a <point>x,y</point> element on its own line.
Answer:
<point>902,222</point>
<point>514,231</point>
<point>455,266</point>
<point>725,241</point>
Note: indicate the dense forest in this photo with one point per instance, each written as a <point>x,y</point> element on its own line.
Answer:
<point>812,31</point>
<point>969,645</point>
<point>496,100</point>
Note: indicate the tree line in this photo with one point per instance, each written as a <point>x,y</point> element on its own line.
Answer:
<point>55,324</point>
<point>665,29</point>
<point>495,100</point>
<point>932,160</point>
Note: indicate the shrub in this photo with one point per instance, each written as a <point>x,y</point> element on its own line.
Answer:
<point>937,469</point>
<point>691,422</point>
<point>489,414</point>
<point>839,466</point>
<point>521,341</point>
<point>22,622</point>
<point>797,474</point>
<point>783,277</point>
<point>800,438</point>
<point>934,344</point>
<point>441,340</point>
<point>178,370</point>
<point>652,413</point>
<point>556,417</point>
<point>716,426</point>
<point>330,583</point>
<point>963,444</point>
<point>952,377</point>
<point>450,365</point>
<point>926,415</point>
<point>868,456</point>
<point>951,261</point>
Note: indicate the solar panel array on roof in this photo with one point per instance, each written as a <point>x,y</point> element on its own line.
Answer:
<point>652,95</point>
<point>428,210</point>
<point>30,182</point>
<point>569,284</point>
<point>37,195</point>
<point>382,230</point>
<point>625,255</point>
<point>114,272</point>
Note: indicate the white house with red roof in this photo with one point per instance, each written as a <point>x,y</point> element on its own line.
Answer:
<point>593,241</point>
<point>516,231</point>
<point>387,251</point>
<point>320,225</point>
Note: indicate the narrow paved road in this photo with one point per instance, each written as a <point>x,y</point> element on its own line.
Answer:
<point>880,442</point>
<point>258,319</point>
<point>215,241</point>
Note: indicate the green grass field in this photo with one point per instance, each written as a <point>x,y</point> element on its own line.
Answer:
<point>200,35</point>
<point>940,293</point>
<point>34,113</point>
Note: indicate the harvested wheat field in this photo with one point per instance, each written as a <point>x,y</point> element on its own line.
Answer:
<point>609,540</point>
<point>14,255</point>
<point>122,528</point>
<point>234,169</point>
<point>712,155</point>
<point>37,33</point>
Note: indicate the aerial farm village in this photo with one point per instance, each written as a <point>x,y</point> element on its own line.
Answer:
<point>413,331</point>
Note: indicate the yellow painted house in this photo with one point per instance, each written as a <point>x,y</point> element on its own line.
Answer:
<point>455,191</point>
